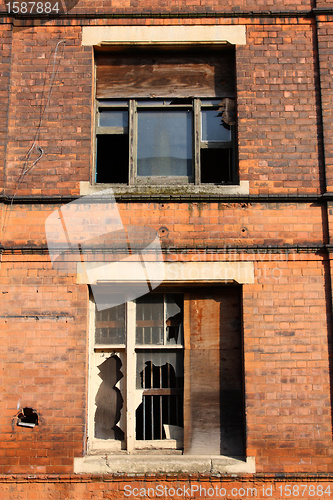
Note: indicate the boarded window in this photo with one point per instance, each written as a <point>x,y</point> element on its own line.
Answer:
<point>165,117</point>
<point>213,408</point>
<point>165,74</point>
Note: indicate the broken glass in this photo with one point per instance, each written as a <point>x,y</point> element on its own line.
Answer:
<point>160,375</point>
<point>159,368</point>
<point>174,319</point>
<point>212,126</point>
<point>109,400</point>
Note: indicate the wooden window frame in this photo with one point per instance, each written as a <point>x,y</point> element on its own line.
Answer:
<point>198,144</point>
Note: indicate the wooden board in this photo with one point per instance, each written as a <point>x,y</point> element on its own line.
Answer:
<point>213,417</point>
<point>165,75</point>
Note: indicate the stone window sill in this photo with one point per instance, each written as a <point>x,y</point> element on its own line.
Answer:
<point>168,191</point>
<point>158,464</point>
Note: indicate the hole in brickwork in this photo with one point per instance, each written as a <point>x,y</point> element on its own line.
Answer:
<point>27,418</point>
<point>163,231</point>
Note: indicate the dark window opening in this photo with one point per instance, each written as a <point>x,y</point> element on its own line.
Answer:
<point>216,166</point>
<point>182,100</point>
<point>232,421</point>
<point>112,159</point>
<point>160,414</point>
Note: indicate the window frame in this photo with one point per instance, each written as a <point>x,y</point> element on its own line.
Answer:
<point>198,144</point>
<point>127,354</point>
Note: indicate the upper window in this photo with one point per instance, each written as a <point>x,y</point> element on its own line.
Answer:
<point>165,118</point>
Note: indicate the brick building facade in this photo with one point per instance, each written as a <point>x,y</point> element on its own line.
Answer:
<point>246,252</point>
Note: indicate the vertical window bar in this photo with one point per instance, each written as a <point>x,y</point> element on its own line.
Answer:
<point>142,317</point>
<point>144,417</point>
<point>177,414</point>
<point>161,423</point>
<point>152,416</point>
<point>197,140</point>
<point>131,375</point>
<point>143,405</point>
<point>169,397</point>
<point>132,128</point>
<point>150,317</point>
<point>164,320</point>
<point>152,402</point>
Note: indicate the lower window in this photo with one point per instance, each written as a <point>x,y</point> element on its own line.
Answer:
<point>166,374</point>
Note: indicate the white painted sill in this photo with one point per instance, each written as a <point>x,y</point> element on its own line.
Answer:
<point>159,464</point>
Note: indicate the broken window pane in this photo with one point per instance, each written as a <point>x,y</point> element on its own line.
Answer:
<point>149,320</point>
<point>174,319</point>
<point>212,127</point>
<point>216,165</point>
<point>109,400</point>
<point>164,143</point>
<point>159,368</point>
<point>160,375</point>
<point>110,325</point>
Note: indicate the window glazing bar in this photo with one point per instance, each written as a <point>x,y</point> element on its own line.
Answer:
<point>133,140</point>
<point>197,139</point>
<point>130,377</point>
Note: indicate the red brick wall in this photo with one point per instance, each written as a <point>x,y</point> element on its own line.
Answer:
<point>287,384</point>
<point>325,41</point>
<point>287,366</point>
<point>287,319</point>
<point>65,131</point>
<point>278,145</point>
<point>188,486</point>
<point>192,224</point>
<point>186,6</point>
<point>278,148</point>
<point>43,366</point>
<point>5,66</point>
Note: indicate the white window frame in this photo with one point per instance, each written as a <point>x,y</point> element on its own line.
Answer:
<point>127,385</point>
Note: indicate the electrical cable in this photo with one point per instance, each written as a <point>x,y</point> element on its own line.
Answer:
<point>26,158</point>
<point>26,168</point>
